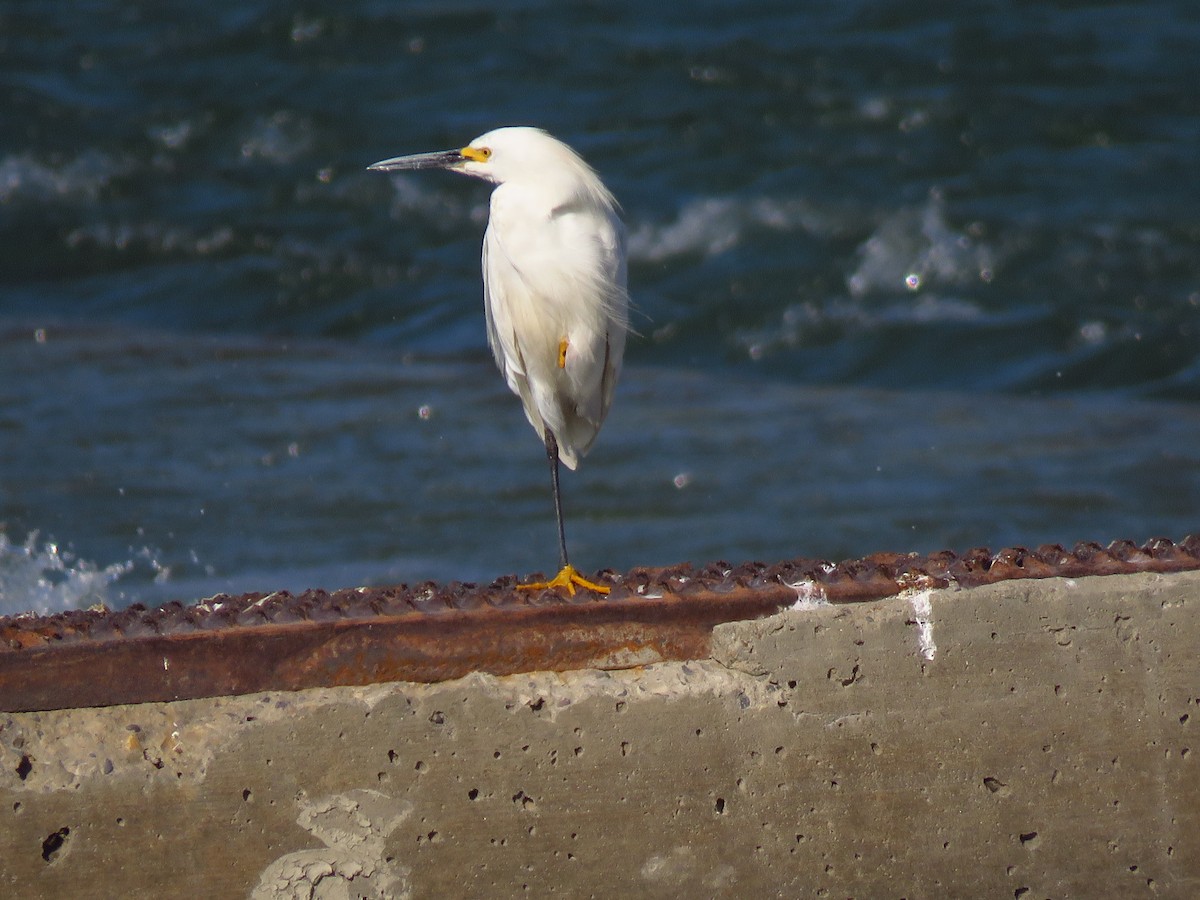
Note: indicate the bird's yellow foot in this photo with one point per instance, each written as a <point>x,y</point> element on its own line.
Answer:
<point>566,578</point>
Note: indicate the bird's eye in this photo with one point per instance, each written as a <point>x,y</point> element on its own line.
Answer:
<point>485,153</point>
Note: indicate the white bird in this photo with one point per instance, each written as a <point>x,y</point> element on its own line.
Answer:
<point>554,290</point>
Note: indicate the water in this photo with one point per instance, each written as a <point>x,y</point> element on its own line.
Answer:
<point>906,278</point>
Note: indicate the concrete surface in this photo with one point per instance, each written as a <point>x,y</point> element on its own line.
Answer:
<point>1027,739</point>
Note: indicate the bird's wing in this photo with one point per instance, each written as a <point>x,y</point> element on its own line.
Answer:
<point>499,324</point>
<point>549,277</point>
<point>502,339</point>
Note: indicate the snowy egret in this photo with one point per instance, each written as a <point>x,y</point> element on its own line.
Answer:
<point>554,291</point>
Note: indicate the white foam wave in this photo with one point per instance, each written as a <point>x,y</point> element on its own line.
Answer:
<point>915,248</point>
<point>152,237</point>
<point>281,137</point>
<point>23,178</point>
<point>803,322</point>
<point>42,578</point>
<point>903,268</point>
<point>176,135</point>
<point>711,225</point>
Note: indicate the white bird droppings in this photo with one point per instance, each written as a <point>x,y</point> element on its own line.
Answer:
<point>809,595</point>
<point>922,609</point>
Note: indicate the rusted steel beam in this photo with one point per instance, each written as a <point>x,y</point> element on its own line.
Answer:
<point>256,642</point>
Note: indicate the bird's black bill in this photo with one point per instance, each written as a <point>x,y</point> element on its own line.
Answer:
<point>442,159</point>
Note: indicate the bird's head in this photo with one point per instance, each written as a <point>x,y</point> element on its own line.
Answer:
<point>506,155</point>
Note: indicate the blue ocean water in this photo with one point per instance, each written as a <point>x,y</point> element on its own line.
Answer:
<point>907,277</point>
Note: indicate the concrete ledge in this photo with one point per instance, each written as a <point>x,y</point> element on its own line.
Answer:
<point>1024,739</point>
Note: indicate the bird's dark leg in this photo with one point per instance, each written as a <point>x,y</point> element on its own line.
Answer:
<point>552,456</point>
<point>567,577</point>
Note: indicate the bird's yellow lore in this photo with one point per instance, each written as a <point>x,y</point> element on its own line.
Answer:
<point>554,291</point>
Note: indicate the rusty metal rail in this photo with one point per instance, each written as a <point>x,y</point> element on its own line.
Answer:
<point>235,645</point>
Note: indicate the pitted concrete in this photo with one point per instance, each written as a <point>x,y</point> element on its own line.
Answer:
<point>1026,739</point>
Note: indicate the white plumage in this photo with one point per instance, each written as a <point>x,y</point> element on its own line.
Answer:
<point>554,269</point>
